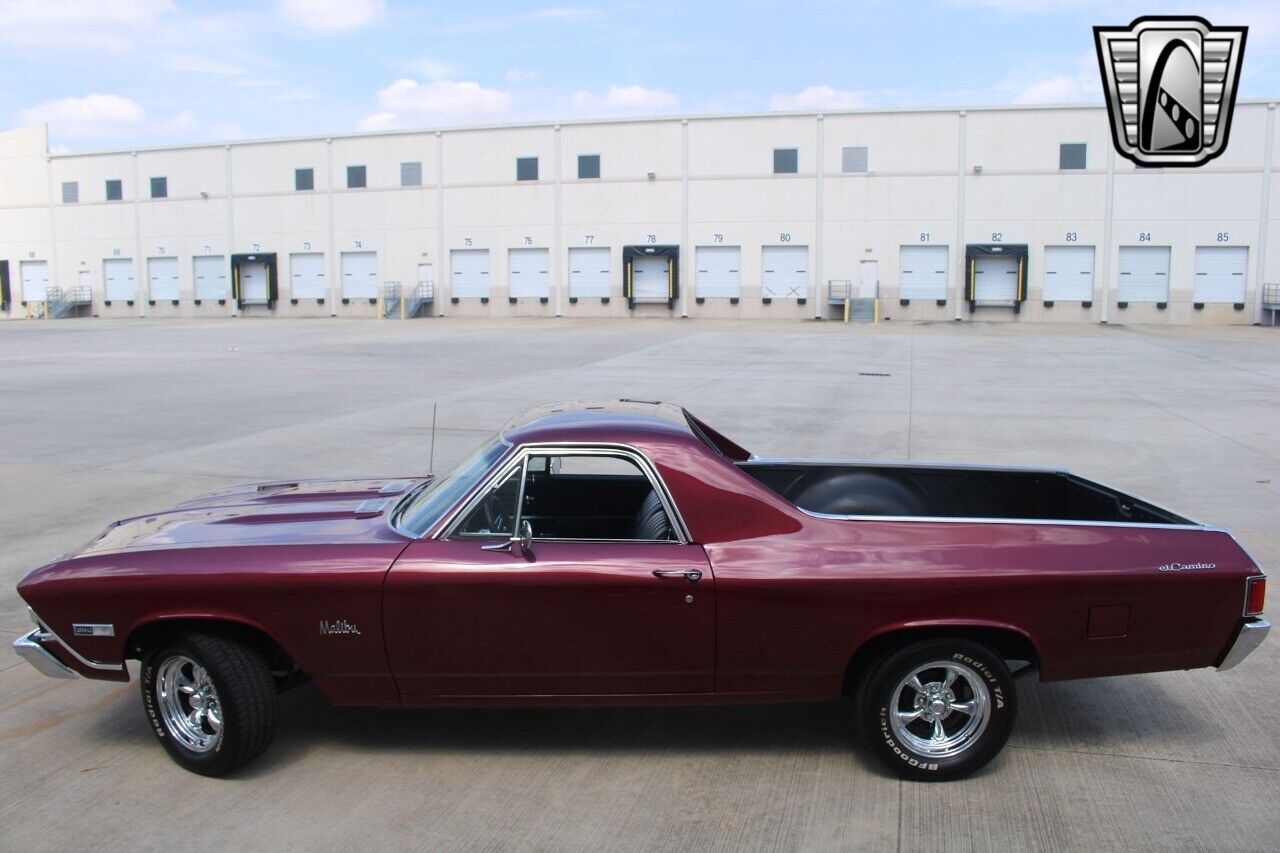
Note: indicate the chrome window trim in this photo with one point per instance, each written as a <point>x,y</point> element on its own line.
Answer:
<point>49,633</point>
<point>394,514</point>
<point>520,458</point>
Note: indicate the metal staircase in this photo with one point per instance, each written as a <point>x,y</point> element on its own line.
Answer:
<point>395,304</point>
<point>1271,300</point>
<point>66,302</point>
<point>391,301</point>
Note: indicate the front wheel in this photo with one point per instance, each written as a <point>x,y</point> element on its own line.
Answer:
<point>210,701</point>
<point>937,709</point>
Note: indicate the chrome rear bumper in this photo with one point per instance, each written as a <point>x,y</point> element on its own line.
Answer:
<point>30,650</point>
<point>1253,631</point>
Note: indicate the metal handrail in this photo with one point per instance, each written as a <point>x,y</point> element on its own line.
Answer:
<point>1271,297</point>
<point>838,290</point>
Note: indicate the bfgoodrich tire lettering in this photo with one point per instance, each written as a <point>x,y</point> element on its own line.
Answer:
<point>937,709</point>
<point>210,701</point>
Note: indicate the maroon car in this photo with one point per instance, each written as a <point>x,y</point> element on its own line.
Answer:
<point>627,553</point>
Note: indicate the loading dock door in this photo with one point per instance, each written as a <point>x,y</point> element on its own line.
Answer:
<point>163,278</point>
<point>719,272</point>
<point>785,272</point>
<point>590,272</point>
<point>35,281</point>
<point>253,282</point>
<point>470,268</point>
<point>306,276</point>
<point>922,272</point>
<point>650,278</point>
<point>118,274</point>
<point>1144,274</point>
<point>1068,273</point>
<point>359,275</point>
<point>1221,274</point>
<point>211,277</point>
<point>528,274</point>
<point>995,279</point>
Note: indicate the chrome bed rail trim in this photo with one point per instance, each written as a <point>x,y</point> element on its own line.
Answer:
<point>953,519</point>
<point>901,463</point>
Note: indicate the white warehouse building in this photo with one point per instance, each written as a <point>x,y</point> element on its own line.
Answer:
<point>1019,214</point>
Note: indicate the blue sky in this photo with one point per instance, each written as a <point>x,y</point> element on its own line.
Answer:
<point>122,73</point>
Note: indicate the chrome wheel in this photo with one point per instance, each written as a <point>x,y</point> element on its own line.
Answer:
<point>940,709</point>
<point>188,703</point>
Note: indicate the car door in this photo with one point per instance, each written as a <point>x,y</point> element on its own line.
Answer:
<point>469,614</point>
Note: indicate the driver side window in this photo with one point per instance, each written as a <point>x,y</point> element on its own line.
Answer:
<point>495,514</point>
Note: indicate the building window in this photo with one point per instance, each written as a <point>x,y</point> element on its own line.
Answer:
<point>853,159</point>
<point>410,174</point>
<point>526,168</point>
<point>588,165</point>
<point>355,177</point>
<point>159,187</point>
<point>1071,155</point>
<point>786,161</point>
<point>115,189</point>
<point>70,192</point>
<point>304,179</point>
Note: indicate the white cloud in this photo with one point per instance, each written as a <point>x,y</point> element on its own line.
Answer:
<point>1081,84</point>
<point>407,102</point>
<point>90,116</point>
<point>625,99</point>
<point>79,24</point>
<point>331,16</point>
<point>815,98</point>
<point>188,63</point>
<point>522,75</point>
<point>548,14</point>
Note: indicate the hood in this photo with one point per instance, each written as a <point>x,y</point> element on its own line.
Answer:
<point>291,512</point>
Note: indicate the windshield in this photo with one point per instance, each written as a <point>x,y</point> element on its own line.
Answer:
<point>423,508</point>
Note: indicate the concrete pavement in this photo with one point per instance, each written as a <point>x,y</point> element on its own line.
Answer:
<point>102,419</point>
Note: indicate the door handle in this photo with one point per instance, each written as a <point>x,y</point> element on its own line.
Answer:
<point>692,575</point>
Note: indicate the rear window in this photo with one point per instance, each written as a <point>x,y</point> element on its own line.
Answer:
<point>715,440</point>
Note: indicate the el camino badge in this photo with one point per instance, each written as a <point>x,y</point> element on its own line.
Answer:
<point>342,626</point>
<point>86,629</point>
<point>1187,567</point>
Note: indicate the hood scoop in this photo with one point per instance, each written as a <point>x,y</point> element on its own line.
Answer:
<point>371,507</point>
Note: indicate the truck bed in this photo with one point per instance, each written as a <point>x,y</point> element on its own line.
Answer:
<point>935,491</point>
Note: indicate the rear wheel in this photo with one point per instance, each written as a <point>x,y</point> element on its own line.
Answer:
<point>937,709</point>
<point>211,702</point>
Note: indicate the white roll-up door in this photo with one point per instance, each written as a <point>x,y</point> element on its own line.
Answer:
<point>719,272</point>
<point>211,277</point>
<point>1144,274</point>
<point>35,281</point>
<point>590,272</point>
<point>254,287</point>
<point>118,275</point>
<point>650,279</point>
<point>470,268</point>
<point>162,275</point>
<point>922,272</point>
<point>359,275</point>
<point>306,276</point>
<point>995,279</point>
<point>1068,273</point>
<point>528,273</point>
<point>1221,274</point>
<point>784,272</point>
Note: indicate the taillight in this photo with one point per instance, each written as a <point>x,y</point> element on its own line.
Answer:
<point>1255,592</point>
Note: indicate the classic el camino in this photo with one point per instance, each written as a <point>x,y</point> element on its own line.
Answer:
<point>627,553</point>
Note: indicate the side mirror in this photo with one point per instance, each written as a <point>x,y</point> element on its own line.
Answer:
<point>524,539</point>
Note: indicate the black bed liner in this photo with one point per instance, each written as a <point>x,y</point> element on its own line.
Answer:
<point>834,488</point>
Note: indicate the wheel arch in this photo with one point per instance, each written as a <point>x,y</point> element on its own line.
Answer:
<point>147,633</point>
<point>1010,642</point>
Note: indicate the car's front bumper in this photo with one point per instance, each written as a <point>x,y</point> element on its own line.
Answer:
<point>1253,630</point>
<point>29,649</point>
